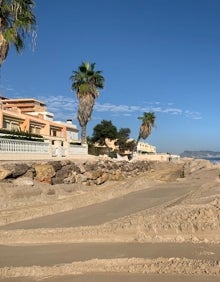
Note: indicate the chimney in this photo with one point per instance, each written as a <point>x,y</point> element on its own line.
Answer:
<point>69,121</point>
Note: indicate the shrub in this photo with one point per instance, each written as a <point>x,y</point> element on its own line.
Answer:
<point>20,135</point>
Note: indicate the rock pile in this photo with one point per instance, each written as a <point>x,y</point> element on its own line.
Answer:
<point>68,172</point>
<point>95,172</point>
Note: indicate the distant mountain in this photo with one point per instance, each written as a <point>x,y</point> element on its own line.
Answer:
<point>200,154</point>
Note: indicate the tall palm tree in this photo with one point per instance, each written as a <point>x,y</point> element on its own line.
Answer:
<point>16,22</point>
<point>148,121</point>
<point>86,83</point>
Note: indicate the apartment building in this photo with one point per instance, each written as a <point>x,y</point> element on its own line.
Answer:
<point>31,115</point>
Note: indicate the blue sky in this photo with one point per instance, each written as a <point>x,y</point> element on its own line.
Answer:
<point>156,55</point>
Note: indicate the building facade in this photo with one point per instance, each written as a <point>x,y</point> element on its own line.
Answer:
<point>145,148</point>
<point>30,115</point>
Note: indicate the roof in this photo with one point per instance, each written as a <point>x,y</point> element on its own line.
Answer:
<point>21,99</point>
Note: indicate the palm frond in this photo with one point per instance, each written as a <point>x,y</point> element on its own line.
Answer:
<point>17,21</point>
<point>148,121</point>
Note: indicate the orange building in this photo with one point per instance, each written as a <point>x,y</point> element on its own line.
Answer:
<point>25,105</point>
<point>30,115</point>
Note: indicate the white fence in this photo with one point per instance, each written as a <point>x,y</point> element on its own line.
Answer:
<point>78,150</point>
<point>23,146</point>
<point>11,149</point>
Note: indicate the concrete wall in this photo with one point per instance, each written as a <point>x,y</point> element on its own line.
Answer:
<point>157,157</point>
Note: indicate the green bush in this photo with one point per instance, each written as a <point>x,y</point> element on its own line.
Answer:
<point>112,154</point>
<point>20,135</point>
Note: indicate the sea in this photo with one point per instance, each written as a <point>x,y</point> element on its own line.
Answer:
<point>213,160</point>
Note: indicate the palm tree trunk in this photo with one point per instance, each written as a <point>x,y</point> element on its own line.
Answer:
<point>135,147</point>
<point>83,134</point>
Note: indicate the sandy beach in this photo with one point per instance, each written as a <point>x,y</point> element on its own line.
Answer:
<point>148,228</point>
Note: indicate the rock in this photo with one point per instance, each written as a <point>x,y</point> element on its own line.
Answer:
<point>44,173</point>
<point>90,172</point>
<point>93,174</point>
<point>4,173</point>
<point>56,165</point>
<point>102,179</point>
<point>13,170</point>
<point>82,168</point>
<point>65,162</point>
<point>20,169</point>
<point>65,172</point>
<point>71,179</point>
<point>17,169</point>
<point>82,178</point>
<point>29,174</point>
<point>23,181</point>
<point>117,176</point>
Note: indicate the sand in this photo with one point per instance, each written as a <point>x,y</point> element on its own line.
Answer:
<point>149,228</point>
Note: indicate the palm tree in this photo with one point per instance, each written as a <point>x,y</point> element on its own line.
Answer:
<point>148,121</point>
<point>86,82</point>
<point>16,22</point>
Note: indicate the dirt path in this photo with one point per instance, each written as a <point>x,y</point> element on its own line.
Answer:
<point>48,255</point>
<point>165,209</point>
<point>116,277</point>
<point>108,210</point>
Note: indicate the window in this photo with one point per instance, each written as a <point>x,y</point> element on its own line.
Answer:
<point>53,133</point>
<point>11,125</point>
<point>14,126</point>
<point>34,129</point>
<point>6,124</point>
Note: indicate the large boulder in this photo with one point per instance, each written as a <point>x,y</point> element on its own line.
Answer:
<point>65,172</point>
<point>13,170</point>
<point>44,173</point>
